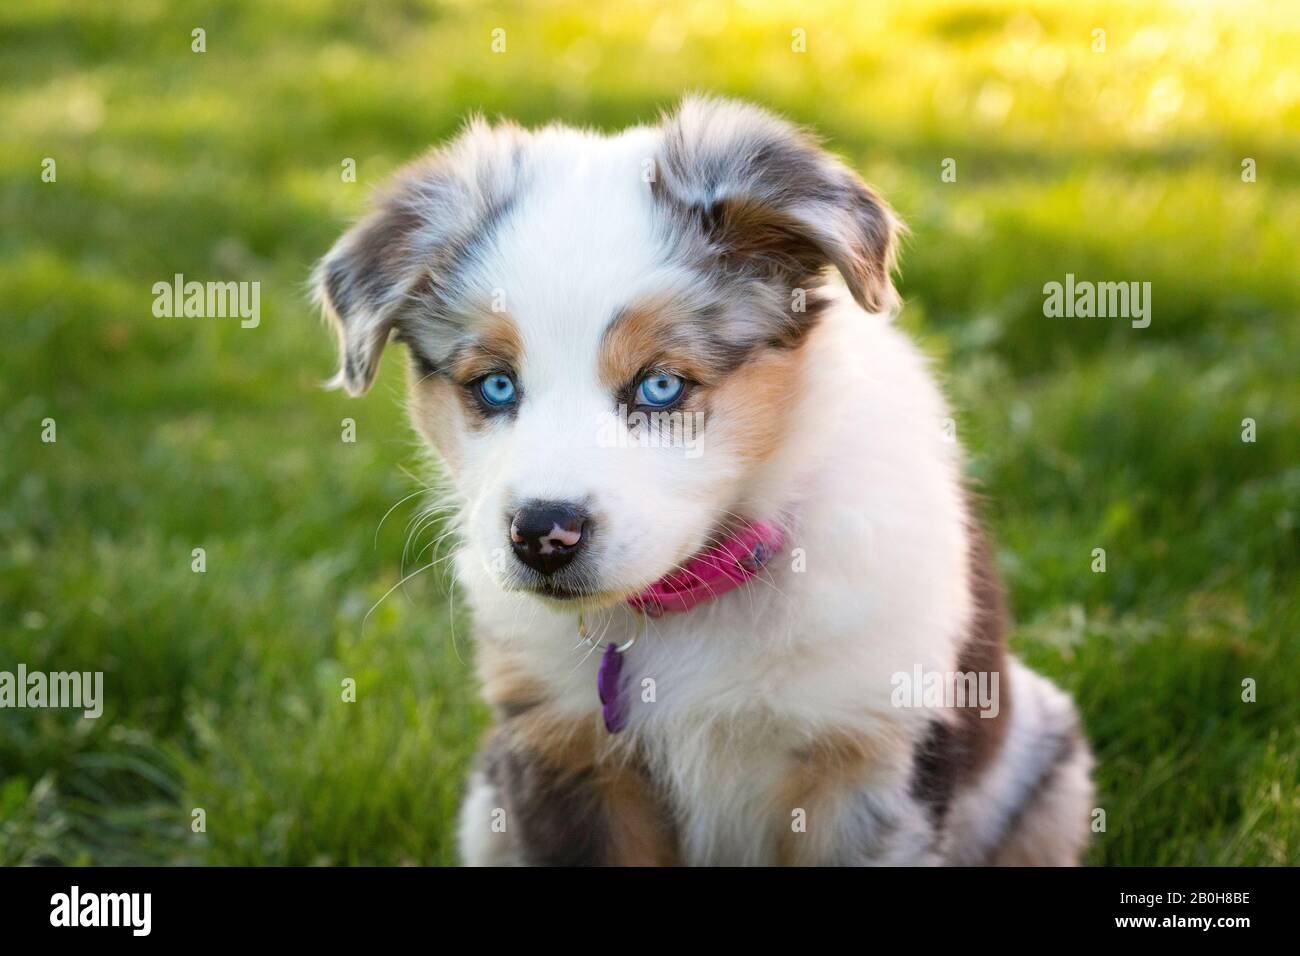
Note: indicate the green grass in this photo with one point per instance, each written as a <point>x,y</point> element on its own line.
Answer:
<point>223,688</point>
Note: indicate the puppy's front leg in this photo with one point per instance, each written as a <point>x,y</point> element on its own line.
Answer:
<point>848,801</point>
<point>548,791</point>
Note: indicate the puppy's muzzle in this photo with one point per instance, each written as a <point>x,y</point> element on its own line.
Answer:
<point>547,535</point>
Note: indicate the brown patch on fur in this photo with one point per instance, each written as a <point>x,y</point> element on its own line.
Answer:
<point>776,244</point>
<point>552,810</point>
<point>438,410</point>
<point>641,828</point>
<point>957,751</point>
<point>506,687</point>
<point>745,405</point>
<point>494,346</point>
<point>750,410</point>
<point>656,333</point>
<point>985,652</point>
<point>825,773</point>
<point>442,406</point>
<point>581,796</point>
<point>575,798</point>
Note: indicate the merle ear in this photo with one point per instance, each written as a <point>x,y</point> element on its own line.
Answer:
<point>363,284</point>
<point>389,271</point>
<point>768,196</point>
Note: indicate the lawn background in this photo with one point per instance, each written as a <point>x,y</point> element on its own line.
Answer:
<point>223,687</point>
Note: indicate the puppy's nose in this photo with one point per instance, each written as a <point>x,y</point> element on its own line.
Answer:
<point>547,534</point>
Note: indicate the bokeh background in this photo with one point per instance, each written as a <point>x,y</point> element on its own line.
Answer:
<point>223,687</point>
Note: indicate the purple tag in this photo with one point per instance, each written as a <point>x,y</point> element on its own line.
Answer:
<point>607,687</point>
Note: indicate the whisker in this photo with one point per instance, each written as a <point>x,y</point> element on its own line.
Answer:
<point>388,592</point>
<point>418,491</point>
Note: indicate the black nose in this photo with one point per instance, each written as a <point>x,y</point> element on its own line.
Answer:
<point>547,534</point>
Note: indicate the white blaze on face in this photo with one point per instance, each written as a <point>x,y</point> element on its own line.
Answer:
<point>579,246</point>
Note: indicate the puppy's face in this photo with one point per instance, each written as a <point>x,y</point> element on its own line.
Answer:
<point>604,333</point>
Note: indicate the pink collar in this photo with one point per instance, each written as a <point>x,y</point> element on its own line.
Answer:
<point>720,569</point>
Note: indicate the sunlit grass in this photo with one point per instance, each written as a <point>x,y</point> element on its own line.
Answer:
<point>173,434</point>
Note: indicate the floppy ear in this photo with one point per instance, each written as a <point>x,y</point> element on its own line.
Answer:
<point>395,267</point>
<point>771,201</point>
<point>363,284</point>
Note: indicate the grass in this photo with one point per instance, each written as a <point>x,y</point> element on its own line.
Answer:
<point>223,688</point>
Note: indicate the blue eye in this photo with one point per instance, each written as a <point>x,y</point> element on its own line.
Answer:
<point>659,389</point>
<point>497,389</point>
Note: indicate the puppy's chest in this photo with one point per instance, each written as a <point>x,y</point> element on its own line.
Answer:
<point>731,791</point>
<point>741,760</point>
<point>740,750</point>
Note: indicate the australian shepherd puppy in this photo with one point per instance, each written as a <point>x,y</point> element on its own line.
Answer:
<point>731,602</point>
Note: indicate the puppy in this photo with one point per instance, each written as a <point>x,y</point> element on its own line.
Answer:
<point>723,573</point>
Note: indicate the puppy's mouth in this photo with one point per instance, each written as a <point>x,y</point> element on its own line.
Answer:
<point>567,594</point>
<point>556,592</point>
